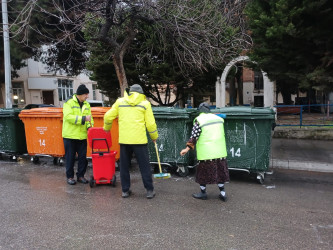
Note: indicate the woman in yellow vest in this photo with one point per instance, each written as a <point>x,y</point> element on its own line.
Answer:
<point>209,139</point>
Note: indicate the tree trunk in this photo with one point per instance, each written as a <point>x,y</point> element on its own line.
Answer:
<point>118,57</point>
<point>120,71</point>
<point>286,96</point>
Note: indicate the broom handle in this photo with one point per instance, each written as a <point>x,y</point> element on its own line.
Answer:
<point>158,158</point>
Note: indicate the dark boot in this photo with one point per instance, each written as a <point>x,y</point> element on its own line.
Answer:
<point>71,181</point>
<point>201,196</point>
<point>150,194</point>
<point>126,194</point>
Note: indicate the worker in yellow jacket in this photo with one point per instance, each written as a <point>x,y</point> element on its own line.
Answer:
<point>77,120</point>
<point>135,119</point>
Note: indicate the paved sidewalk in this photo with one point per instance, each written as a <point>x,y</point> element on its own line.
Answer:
<point>39,210</point>
<point>301,154</point>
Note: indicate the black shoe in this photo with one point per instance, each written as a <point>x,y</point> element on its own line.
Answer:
<point>201,196</point>
<point>126,194</point>
<point>71,181</point>
<point>223,197</point>
<point>150,194</point>
<point>82,180</point>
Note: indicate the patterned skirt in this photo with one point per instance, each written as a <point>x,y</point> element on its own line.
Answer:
<point>212,172</point>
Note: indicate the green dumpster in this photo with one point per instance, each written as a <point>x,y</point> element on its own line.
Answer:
<point>174,127</point>
<point>12,135</point>
<point>248,134</point>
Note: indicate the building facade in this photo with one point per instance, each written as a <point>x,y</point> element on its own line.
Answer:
<point>37,85</point>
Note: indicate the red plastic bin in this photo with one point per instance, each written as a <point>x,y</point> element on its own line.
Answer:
<point>103,160</point>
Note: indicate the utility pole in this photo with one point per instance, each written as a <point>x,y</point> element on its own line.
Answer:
<point>8,83</point>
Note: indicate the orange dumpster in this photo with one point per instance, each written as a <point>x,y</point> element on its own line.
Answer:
<point>43,128</point>
<point>98,115</point>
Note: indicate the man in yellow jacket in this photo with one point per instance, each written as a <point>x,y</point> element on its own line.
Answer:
<point>135,118</point>
<point>77,120</point>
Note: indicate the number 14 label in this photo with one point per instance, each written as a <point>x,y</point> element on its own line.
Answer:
<point>235,152</point>
<point>41,142</point>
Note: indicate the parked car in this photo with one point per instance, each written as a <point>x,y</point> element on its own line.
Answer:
<point>40,105</point>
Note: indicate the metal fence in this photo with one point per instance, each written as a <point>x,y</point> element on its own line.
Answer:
<point>305,115</point>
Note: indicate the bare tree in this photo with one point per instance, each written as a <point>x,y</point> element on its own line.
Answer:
<point>203,32</point>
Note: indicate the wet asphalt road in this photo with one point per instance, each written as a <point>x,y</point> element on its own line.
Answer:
<point>38,210</point>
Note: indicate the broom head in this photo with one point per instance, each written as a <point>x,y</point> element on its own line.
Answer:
<point>162,176</point>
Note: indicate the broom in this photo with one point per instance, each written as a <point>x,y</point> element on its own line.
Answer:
<point>160,175</point>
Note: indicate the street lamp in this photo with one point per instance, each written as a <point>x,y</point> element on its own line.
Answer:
<point>8,84</point>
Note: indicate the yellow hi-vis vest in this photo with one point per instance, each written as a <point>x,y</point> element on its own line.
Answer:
<point>72,127</point>
<point>211,142</point>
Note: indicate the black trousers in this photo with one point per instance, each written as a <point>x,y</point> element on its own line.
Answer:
<point>142,156</point>
<point>72,147</point>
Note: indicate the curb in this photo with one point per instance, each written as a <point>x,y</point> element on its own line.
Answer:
<point>310,133</point>
<point>296,165</point>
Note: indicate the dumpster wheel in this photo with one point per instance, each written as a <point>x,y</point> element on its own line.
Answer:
<point>13,158</point>
<point>165,167</point>
<point>117,165</point>
<point>261,178</point>
<point>61,161</point>
<point>58,161</point>
<point>182,170</point>
<point>35,159</point>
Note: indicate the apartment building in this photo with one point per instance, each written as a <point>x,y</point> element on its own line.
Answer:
<point>37,85</point>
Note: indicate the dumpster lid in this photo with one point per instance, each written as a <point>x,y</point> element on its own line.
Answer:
<point>9,112</point>
<point>245,111</point>
<point>173,113</point>
<point>41,112</point>
<point>99,111</point>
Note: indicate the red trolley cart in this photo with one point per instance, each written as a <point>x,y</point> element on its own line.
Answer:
<point>103,160</point>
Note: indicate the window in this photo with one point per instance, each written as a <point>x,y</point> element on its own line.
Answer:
<point>94,91</point>
<point>258,80</point>
<point>65,89</point>
<point>18,93</point>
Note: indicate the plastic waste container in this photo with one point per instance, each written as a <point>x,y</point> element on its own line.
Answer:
<point>43,130</point>
<point>248,134</point>
<point>12,134</point>
<point>174,128</point>
<point>98,116</point>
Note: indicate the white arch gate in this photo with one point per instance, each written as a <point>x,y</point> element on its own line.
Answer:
<point>220,85</point>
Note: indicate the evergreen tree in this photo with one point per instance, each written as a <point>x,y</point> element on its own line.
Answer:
<point>293,42</point>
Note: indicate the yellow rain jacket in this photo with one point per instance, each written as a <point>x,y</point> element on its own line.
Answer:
<point>72,126</point>
<point>135,118</point>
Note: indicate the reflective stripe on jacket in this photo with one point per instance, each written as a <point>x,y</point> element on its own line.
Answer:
<point>211,143</point>
<point>72,127</point>
<point>135,118</point>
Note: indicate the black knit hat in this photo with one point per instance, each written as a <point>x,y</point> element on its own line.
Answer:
<point>204,107</point>
<point>82,89</point>
<point>136,88</point>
